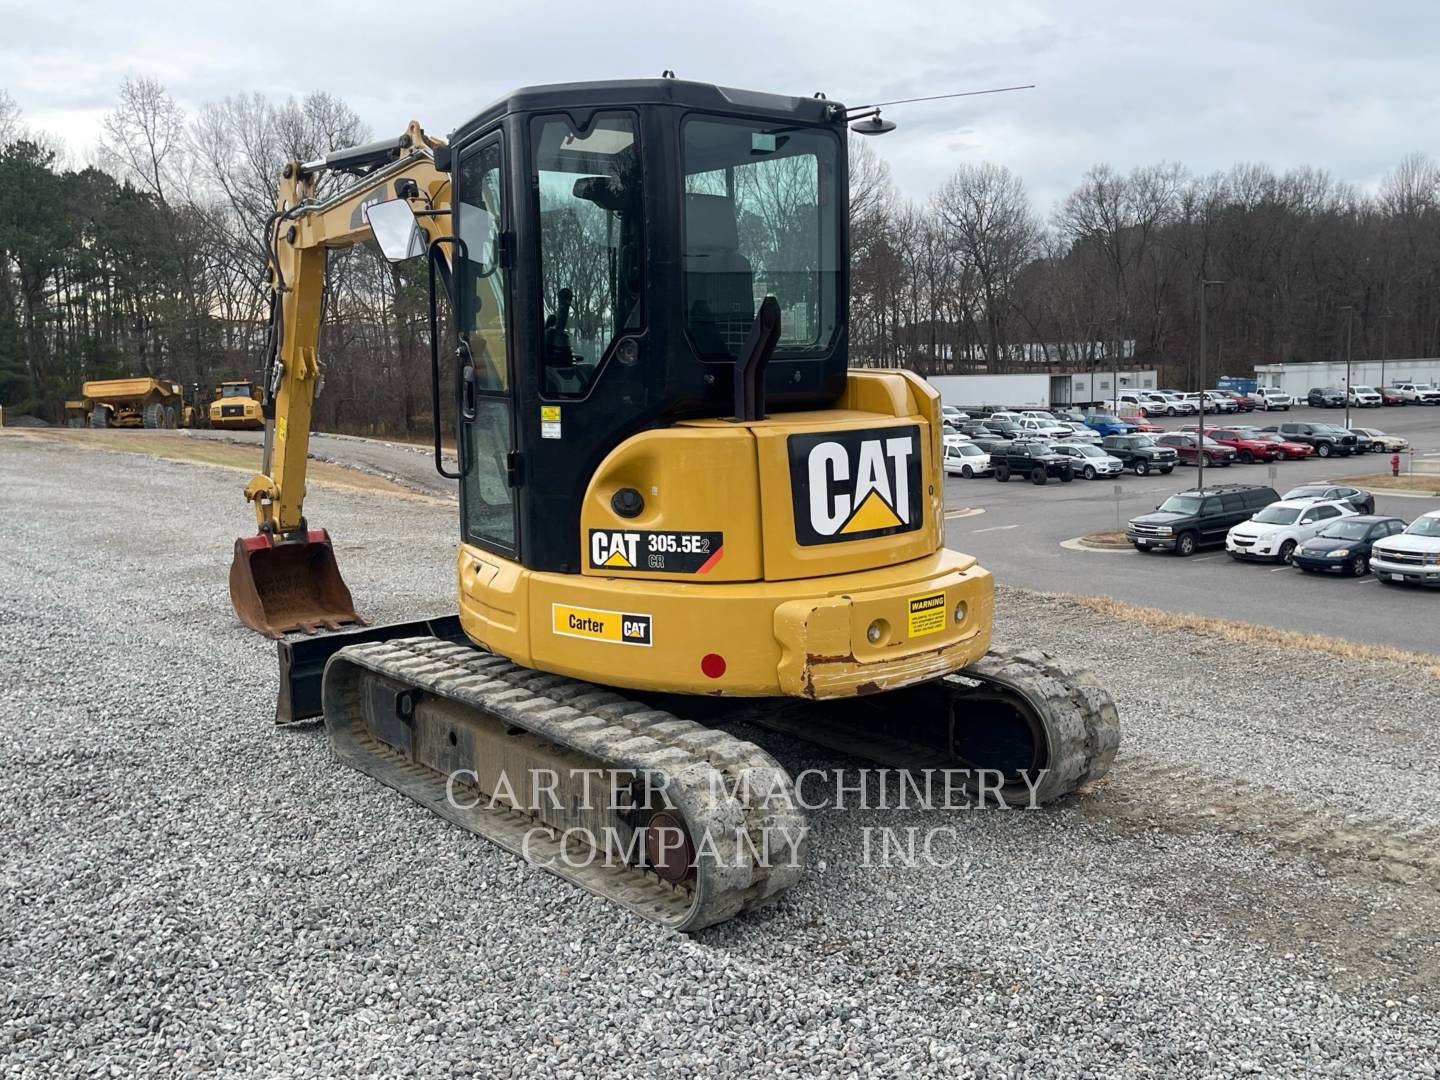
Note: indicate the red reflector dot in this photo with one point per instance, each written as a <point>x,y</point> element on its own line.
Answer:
<point>713,665</point>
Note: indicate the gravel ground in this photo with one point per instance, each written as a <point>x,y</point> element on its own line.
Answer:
<point>188,889</point>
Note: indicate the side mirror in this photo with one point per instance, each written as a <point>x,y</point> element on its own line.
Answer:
<point>393,224</point>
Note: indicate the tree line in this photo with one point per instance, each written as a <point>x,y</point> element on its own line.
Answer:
<point>149,260</point>
<point>976,279</point>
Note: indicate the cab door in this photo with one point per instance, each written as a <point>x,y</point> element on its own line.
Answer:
<point>486,426</point>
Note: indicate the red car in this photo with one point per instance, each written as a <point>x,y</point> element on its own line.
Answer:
<point>1291,451</point>
<point>1139,424</point>
<point>1390,397</point>
<point>1248,448</point>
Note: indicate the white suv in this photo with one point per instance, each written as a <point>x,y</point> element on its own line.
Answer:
<point>1413,555</point>
<point>1364,397</point>
<point>1273,534</point>
<point>1090,461</point>
<point>1270,397</point>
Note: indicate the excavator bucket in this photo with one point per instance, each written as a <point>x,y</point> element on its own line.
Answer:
<point>278,588</point>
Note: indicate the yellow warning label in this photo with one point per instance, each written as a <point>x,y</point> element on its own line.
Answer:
<point>550,413</point>
<point>592,624</point>
<point>927,614</point>
<point>617,558</point>
<point>871,514</point>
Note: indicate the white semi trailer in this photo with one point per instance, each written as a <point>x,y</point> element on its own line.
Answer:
<point>1039,391</point>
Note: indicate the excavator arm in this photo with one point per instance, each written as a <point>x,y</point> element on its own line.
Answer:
<point>285,578</point>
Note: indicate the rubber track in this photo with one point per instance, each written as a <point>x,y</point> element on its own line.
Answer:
<point>1081,722</point>
<point>706,771</point>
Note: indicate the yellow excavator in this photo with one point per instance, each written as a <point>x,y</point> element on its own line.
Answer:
<point>678,506</point>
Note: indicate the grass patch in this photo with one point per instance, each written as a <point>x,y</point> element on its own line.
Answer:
<point>1423,483</point>
<point>1251,634</point>
<point>178,446</point>
<point>1110,539</point>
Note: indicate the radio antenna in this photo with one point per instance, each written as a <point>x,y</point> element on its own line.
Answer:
<point>866,120</point>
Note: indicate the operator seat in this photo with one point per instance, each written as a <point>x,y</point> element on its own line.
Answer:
<point>719,281</point>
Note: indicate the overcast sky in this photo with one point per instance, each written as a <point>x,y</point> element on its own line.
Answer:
<point>1345,86</point>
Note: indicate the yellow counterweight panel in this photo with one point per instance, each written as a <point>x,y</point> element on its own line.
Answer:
<point>805,638</point>
<point>694,480</point>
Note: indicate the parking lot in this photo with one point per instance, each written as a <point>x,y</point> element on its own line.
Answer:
<point>1019,535</point>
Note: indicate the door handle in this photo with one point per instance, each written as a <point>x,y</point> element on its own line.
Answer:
<point>467,392</point>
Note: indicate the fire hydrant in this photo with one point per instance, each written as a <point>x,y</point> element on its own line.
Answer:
<point>1395,464</point>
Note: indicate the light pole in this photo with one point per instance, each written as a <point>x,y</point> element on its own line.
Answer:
<point>1384,348</point>
<point>1205,283</point>
<point>1349,336</point>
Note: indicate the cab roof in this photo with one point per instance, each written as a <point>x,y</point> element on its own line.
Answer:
<point>618,93</point>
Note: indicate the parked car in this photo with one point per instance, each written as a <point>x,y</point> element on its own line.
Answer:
<point>1213,404</point>
<point>1188,449</point>
<point>1188,520</point>
<point>1242,401</point>
<point>1292,451</point>
<point>1417,393</point>
<point>1079,433</point>
<point>1107,424</point>
<point>1046,429</point>
<point>1176,398</point>
<point>1325,397</point>
<point>950,437</point>
<point>967,460</point>
<point>1247,447</point>
<point>1005,428</point>
<point>1358,499</point>
<point>952,414</point>
<point>1005,415</point>
<point>1144,426</point>
<point>989,443</point>
<point>1141,403</point>
<point>1037,414</point>
<point>1141,453</point>
<point>1412,556</point>
<point>1325,441</point>
<point>1271,397</point>
<point>1089,461</point>
<point>1344,545</point>
<point>1380,442</point>
<point>1035,460</point>
<point>1390,397</point>
<point>1069,416</point>
<point>1273,534</point>
<point>1363,397</point>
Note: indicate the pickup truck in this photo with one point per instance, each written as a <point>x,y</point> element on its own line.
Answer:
<point>1107,424</point>
<point>1417,393</point>
<point>1327,441</point>
<point>1033,459</point>
<point>1140,452</point>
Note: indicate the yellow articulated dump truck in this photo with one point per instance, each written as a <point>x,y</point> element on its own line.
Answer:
<point>237,406</point>
<point>135,402</point>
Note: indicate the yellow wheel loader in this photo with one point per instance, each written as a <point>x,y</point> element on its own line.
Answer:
<point>677,504</point>
<point>236,407</point>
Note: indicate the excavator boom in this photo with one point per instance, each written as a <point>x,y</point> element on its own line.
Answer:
<point>285,577</point>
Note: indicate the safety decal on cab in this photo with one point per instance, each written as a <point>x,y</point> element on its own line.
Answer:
<point>926,614</point>
<point>593,624</point>
<point>663,552</point>
<point>854,485</point>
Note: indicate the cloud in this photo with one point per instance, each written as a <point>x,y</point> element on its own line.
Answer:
<point>1290,82</point>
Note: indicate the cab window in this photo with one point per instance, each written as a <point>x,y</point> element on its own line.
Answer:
<point>587,180</point>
